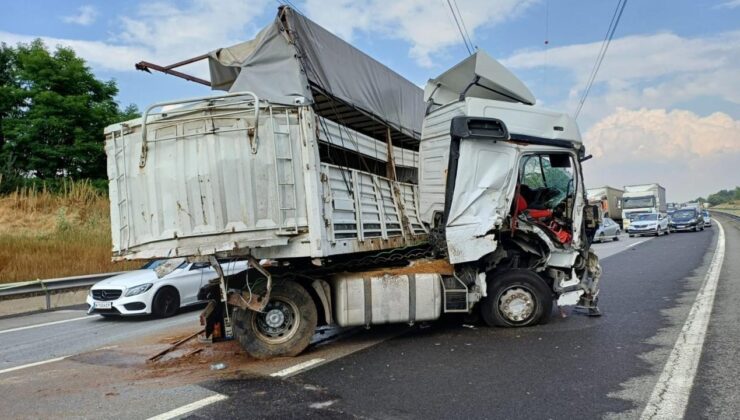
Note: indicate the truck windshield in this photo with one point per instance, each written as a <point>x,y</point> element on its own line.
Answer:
<point>638,202</point>
<point>550,177</point>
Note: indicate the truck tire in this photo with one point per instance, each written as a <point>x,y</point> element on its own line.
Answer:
<point>517,298</point>
<point>283,328</point>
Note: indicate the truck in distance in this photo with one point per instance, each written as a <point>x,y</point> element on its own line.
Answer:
<point>642,198</point>
<point>609,200</point>
<point>371,207</point>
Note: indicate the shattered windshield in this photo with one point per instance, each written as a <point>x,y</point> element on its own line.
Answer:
<point>550,177</point>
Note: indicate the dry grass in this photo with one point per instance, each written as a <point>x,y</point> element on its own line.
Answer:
<point>732,207</point>
<point>46,235</point>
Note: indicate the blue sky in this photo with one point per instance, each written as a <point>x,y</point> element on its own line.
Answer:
<point>671,64</point>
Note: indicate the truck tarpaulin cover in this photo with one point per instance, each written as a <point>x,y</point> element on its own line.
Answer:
<point>293,53</point>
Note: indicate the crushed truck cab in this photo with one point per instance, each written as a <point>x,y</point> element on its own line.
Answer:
<point>357,198</point>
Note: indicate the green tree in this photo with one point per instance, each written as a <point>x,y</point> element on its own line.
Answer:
<point>52,113</point>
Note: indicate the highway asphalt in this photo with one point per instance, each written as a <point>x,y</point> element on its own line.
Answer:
<point>573,366</point>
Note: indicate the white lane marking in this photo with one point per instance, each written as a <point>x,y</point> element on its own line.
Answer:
<point>43,325</point>
<point>297,368</point>
<point>637,243</point>
<point>671,394</point>
<point>177,412</point>
<point>43,362</point>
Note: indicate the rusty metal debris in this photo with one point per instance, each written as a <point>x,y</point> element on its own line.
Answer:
<point>173,346</point>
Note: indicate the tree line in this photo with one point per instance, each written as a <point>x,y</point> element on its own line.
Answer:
<point>52,114</point>
<point>721,197</point>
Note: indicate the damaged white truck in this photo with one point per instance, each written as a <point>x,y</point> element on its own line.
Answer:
<point>357,198</point>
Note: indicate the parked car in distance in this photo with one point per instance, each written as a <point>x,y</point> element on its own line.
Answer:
<point>609,229</point>
<point>687,219</point>
<point>648,224</point>
<point>159,288</point>
<point>707,218</point>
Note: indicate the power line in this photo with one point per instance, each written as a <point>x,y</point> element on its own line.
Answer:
<point>459,28</point>
<point>602,52</point>
<point>467,35</point>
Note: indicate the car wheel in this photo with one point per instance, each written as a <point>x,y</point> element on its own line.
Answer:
<point>616,235</point>
<point>283,328</point>
<point>602,236</point>
<point>517,298</point>
<point>166,302</point>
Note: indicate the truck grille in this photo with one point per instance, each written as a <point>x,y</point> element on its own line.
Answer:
<point>106,294</point>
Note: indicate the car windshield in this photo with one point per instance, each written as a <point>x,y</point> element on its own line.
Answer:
<point>649,216</point>
<point>684,214</point>
<point>706,214</point>
<point>152,265</point>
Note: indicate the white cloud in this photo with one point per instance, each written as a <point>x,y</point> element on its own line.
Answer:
<point>427,25</point>
<point>163,32</point>
<point>688,154</point>
<point>98,54</point>
<point>728,4</point>
<point>675,70</point>
<point>85,16</point>
<point>174,32</point>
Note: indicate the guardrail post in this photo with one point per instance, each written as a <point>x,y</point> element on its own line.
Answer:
<point>46,294</point>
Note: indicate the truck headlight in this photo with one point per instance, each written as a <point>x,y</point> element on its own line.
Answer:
<point>137,290</point>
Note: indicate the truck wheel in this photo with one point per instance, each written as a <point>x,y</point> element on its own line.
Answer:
<point>283,328</point>
<point>517,298</point>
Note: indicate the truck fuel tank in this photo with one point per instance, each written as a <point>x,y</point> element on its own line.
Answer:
<point>366,299</point>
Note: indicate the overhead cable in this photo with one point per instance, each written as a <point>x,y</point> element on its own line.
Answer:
<point>602,52</point>
<point>459,28</point>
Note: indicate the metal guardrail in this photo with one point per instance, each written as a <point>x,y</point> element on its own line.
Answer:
<point>50,286</point>
<point>730,215</point>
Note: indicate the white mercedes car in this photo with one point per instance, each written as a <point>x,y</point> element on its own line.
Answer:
<point>159,288</point>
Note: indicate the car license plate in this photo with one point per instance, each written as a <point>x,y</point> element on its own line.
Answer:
<point>103,305</point>
<point>680,226</point>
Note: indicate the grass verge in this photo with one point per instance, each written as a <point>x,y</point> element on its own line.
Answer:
<point>48,235</point>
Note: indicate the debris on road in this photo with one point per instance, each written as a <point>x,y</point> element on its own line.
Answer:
<point>173,346</point>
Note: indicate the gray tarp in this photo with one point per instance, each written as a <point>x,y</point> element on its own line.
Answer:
<point>278,71</point>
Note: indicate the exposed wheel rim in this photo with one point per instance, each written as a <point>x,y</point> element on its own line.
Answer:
<point>517,304</point>
<point>278,322</point>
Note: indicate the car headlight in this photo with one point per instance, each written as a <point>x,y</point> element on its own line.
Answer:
<point>137,290</point>
<point>692,221</point>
